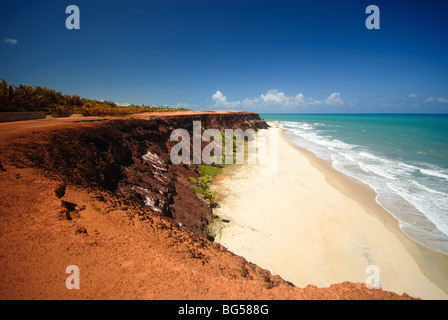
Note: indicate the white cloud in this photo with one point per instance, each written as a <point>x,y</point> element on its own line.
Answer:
<point>275,98</point>
<point>413,95</point>
<point>10,41</point>
<point>221,101</point>
<point>440,100</point>
<point>334,99</point>
<point>219,98</point>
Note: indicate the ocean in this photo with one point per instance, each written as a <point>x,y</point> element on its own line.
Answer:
<point>404,158</point>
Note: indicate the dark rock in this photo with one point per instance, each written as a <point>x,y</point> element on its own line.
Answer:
<point>64,214</point>
<point>71,207</point>
<point>81,230</point>
<point>100,198</point>
<point>60,191</point>
<point>68,211</point>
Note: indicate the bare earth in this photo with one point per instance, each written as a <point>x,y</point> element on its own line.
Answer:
<point>120,256</point>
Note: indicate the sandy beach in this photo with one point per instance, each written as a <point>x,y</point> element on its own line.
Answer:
<point>312,225</point>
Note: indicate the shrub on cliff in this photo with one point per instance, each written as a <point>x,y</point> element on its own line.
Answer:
<point>202,185</point>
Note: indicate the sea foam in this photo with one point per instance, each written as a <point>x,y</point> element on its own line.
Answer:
<point>412,191</point>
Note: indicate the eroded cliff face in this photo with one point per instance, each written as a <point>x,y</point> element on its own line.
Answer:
<point>129,160</point>
<point>99,195</point>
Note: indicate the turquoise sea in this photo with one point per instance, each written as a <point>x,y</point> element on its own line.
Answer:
<point>404,158</point>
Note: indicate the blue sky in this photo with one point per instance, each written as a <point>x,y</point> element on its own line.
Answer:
<point>307,56</point>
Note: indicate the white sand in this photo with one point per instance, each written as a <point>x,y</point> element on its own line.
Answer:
<point>297,225</point>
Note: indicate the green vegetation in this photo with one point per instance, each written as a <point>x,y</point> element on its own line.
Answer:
<point>201,185</point>
<point>202,188</point>
<point>211,171</point>
<point>32,99</point>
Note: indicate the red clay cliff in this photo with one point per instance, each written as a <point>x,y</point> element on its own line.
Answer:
<point>102,194</point>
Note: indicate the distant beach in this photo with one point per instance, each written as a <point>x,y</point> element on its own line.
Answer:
<point>402,157</point>
<point>310,224</point>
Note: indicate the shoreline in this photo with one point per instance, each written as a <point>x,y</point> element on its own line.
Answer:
<point>424,256</point>
<point>427,264</point>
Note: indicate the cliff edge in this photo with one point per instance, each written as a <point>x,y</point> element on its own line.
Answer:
<point>102,194</point>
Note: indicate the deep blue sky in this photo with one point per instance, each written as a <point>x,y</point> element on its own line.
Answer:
<point>267,56</point>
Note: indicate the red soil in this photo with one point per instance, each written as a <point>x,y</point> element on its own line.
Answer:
<point>121,253</point>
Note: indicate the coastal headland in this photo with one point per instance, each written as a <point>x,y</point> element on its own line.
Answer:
<point>101,193</point>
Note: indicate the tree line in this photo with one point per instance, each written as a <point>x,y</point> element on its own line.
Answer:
<point>25,98</point>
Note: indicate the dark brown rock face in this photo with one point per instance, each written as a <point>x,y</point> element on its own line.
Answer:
<point>60,191</point>
<point>130,159</point>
